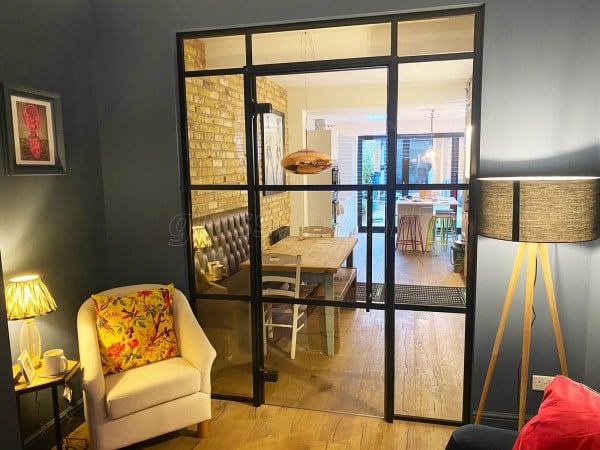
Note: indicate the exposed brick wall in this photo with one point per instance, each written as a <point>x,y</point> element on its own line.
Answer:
<point>216,136</point>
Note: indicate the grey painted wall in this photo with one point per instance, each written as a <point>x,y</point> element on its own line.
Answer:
<point>539,114</point>
<point>52,225</point>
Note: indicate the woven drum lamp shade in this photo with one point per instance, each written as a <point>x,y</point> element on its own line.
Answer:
<point>539,209</point>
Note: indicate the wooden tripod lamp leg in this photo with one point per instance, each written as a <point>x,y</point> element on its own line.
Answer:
<point>514,277</point>
<point>527,316</point>
<point>553,310</point>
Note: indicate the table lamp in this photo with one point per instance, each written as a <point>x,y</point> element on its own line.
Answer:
<point>534,211</point>
<point>200,237</point>
<point>26,298</point>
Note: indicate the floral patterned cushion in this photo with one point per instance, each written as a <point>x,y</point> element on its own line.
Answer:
<point>135,329</point>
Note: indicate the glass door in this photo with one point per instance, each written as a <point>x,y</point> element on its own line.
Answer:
<point>431,188</point>
<point>338,349</point>
<point>378,323</point>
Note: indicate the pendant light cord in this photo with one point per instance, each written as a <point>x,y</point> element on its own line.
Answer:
<point>304,47</point>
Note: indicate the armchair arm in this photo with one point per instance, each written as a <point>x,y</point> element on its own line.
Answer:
<point>194,346</point>
<point>92,379</point>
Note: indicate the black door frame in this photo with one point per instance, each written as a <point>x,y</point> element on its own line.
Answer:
<point>254,189</point>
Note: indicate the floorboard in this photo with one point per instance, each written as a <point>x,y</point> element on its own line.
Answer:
<point>240,426</point>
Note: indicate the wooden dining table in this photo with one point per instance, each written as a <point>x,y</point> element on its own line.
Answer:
<point>321,258</point>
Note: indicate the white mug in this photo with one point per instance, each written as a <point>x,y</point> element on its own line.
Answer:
<point>55,362</point>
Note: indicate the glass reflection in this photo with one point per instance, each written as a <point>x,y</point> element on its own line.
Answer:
<point>214,52</point>
<point>227,326</point>
<point>351,381</point>
<point>221,241</point>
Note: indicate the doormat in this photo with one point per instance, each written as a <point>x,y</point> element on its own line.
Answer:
<point>417,295</point>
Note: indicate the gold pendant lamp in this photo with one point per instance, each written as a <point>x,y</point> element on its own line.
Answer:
<point>306,161</point>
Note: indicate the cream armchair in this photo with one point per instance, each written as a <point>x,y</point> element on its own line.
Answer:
<point>147,401</point>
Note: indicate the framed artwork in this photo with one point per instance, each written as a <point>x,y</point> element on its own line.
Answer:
<point>34,135</point>
<point>26,366</point>
<point>273,140</point>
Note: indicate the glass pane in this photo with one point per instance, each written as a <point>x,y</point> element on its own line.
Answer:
<point>321,43</point>
<point>225,52</point>
<point>372,156</point>
<point>314,225</point>
<point>327,112</point>
<point>227,326</point>
<point>433,119</point>
<point>272,131</point>
<point>349,381</point>
<point>430,247</point>
<point>376,291</point>
<point>429,364</point>
<point>216,129</point>
<point>438,35</point>
<point>221,227</point>
<point>377,208</point>
<point>276,209</point>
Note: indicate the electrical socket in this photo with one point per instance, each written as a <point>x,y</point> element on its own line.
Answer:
<point>540,382</point>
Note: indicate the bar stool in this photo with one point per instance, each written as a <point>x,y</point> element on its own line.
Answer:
<point>409,233</point>
<point>442,229</point>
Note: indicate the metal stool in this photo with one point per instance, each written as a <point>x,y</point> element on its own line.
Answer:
<point>409,233</point>
<point>441,231</point>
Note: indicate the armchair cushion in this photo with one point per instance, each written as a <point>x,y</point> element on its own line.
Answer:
<point>150,385</point>
<point>135,328</point>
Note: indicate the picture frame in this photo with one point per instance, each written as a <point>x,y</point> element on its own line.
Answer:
<point>26,366</point>
<point>33,131</point>
<point>273,143</point>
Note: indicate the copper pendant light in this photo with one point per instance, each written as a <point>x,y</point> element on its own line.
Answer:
<point>306,161</point>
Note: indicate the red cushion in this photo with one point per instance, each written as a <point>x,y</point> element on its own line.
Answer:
<point>568,419</point>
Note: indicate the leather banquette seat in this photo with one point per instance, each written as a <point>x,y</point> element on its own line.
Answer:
<point>226,323</point>
<point>229,231</point>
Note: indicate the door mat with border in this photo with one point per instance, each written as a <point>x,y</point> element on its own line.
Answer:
<point>419,295</point>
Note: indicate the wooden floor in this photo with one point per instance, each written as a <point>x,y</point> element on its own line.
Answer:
<point>241,426</point>
<point>428,361</point>
<point>303,408</point>
<point>429,367</point>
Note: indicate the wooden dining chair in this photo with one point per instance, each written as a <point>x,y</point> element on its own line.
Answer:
<point>317,231</point>
<point>283,285</point>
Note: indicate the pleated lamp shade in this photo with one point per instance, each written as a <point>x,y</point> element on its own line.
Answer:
<point>201,237</point>
<point>28,297</point>
<point>539,209</point>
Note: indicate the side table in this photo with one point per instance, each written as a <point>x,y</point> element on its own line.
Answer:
<point>43,382</point>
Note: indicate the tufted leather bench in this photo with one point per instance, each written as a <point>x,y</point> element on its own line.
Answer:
<point>230,232</point>
<point>226,323</point>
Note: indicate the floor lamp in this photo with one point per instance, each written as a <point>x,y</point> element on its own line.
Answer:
<point>534,211</point>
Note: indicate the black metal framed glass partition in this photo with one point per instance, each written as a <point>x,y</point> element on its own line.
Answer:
<point>384,252</point>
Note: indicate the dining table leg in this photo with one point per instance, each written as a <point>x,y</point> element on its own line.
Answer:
<point>329,315</point>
